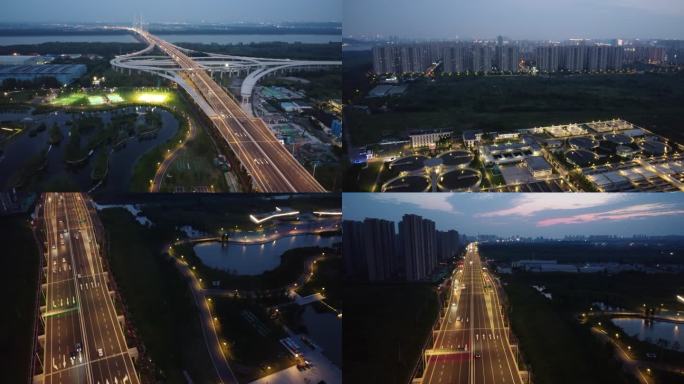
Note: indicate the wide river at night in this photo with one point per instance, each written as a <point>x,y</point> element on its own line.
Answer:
<point>173,38</point>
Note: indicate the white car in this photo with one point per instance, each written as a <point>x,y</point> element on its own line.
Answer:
<point>100,352</point>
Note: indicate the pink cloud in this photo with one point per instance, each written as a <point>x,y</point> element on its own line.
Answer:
<point>531,203</point>
<point>629,213</point>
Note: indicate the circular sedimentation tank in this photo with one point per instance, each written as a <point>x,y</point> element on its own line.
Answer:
<point>459,180</point>
<point>410,183</point>
<point>459,158</point>
<point>654,148</point>
<point>580,157</point>
<point>586,143</point>
<point>617,138</point>
<point>408,163</point>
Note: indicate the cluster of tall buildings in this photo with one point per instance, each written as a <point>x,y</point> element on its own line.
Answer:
<point>458,57</point>
<point>375,251</point>
<point>579,58</point>
<point>455,57</point>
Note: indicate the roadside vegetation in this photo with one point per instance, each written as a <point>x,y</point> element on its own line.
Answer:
<point>504,103</point>
<point>557,349</point>
<point>157,298</point>
<point>22,258</point>
<point>391,323</point>
<point>326,279</point>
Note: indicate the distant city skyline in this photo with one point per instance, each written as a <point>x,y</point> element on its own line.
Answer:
<point>210,11</point>
<point>530,215</point>
<point>516,19</point>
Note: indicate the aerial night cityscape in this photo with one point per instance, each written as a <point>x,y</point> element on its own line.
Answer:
<point>513,96</point>
<point>523,288</point>
<point>329,191</point>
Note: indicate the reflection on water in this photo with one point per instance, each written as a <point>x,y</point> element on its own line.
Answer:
<point>254,259</point>
<point>325,329</point>
<point>652,331</point>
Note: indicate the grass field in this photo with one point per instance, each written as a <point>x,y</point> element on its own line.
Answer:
<point>194,165</point>
<point>96,100</point>
<point>115,98</point>
<point>70,99</point>
<point>493,103</point>
<point>21,259</point>
<point>391,323</point>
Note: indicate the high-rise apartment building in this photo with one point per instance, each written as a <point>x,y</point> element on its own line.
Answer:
<point>507,58</point>
<point>417,239</point>
<point>549,58</point>
<point>447,244</point>
<point>379,248</point>
<point>482,58</point>
<point>353,250</point>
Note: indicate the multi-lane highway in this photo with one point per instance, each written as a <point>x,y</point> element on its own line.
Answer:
<point>84,342</point>
<point>270,166</point>
<point>472,345</point>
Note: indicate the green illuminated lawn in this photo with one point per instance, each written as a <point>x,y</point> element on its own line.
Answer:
<point>96,100</point>
<point>151,97</point>
<point>156,97</point>
<point>70,99</point>
<point>115,98</point>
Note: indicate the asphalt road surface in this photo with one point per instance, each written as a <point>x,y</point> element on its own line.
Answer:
<point>84,342</point>
<point>471,345</point>
<point>271,167</point>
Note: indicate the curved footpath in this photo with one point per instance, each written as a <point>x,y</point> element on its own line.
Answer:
<point>170,157</point>
<point>324,369</point>
<point>211,339</point>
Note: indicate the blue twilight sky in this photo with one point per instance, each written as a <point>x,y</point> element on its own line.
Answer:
<point>517,19</point>
<point>529,214</point>
<point>192,11</point>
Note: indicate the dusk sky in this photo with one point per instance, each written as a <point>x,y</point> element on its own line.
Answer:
<point>171,10</point>
<point>517,19</point>
<point>531,214</point>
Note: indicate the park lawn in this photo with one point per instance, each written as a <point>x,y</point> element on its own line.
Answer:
<point>194,166</point>
<point>391,323</point>
<point>557,349</point>
<point>157,298</point>
<point>21,260</point>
